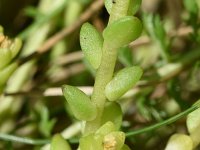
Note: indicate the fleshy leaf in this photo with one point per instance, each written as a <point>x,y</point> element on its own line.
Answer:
<point>8,49</point>
<point>91,142</point>
<point>122,31</point>
<point>134,5</point>
<point>59,143</point>
<point>195,136</point>
<point>193,120</point>
<point>124,80</point>
<point>5,57</point>
<point>15,47</point>
<point>6,73</point>
<point>112,112</point>
<point>106,128</point>
<point>179,142</point>
<point>80,104</point>
<point>108,5</point>
<point>125,147</point>
<point>114,140</point>
<point>91,43</point>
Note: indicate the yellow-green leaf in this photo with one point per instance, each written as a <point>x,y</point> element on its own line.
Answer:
<point>91,43</point>
<point>179,142</point>
<point>124,80</point>
<point>79,102</point>
<point>59,143</point>
<point>122,31</point>
<point>91,142</point>
<point>112,112</point>
<point>133,6</point>
<point>193,119</point>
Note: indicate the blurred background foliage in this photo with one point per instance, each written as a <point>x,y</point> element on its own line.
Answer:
<point>168,51</point>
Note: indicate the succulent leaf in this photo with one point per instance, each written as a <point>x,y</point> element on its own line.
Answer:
<point>124,80</point>
<point>122,31</point>
<point>133,6</point>
<point>106,128</point>
<point>112,112</point>
<point>6,73</point>
<point>79,102</point>
<point>179,142</point>
<point>91,43</point>
<point>91,142</point>
<point>59,143</point>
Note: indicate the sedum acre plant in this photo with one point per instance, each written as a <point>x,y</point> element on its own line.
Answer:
<point>100,113</point>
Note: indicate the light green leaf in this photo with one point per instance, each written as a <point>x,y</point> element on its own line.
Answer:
<point>8,50</point>
<point>5,57</point>
<point>91,43</point>
<point>124,80</point>
<point>193,119</point>
<point>6,73</point>
<point>59,143</point>
<point>112,112</point>
<point>79,102</point>
<point>106,128</point>
<point>114,140</point>
<point>108,5</point>
<point>179,142</point>
<point>125,147</point>
<point>134,5</point>
<point>91,142</point>
<point>15,47</point>
<point>195,136</point>
<point>122,31</point>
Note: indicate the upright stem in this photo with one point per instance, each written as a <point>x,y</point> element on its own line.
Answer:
<point>106,68</point>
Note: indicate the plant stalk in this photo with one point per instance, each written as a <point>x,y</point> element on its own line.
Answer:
<point>105,71</point>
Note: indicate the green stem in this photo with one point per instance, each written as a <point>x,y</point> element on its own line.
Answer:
<point>103,76</point>
<point>105,72</point>
<point>163,123</point>
<point>30,141</point>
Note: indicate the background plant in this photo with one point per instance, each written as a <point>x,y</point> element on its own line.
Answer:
<point>167,51</point>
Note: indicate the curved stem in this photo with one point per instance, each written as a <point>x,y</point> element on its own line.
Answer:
<point>163,123</point>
